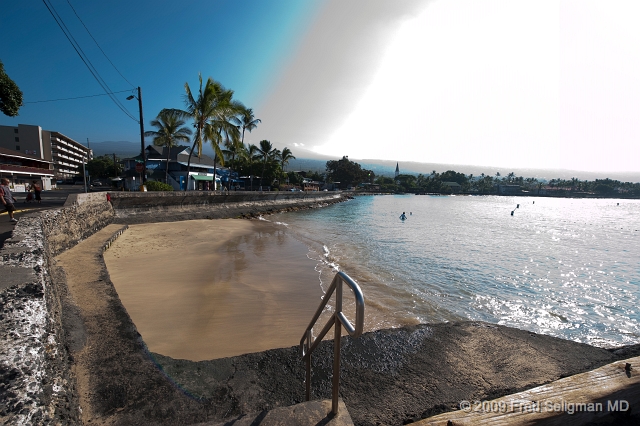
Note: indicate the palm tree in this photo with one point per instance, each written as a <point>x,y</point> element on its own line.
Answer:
<point>267,152</point>
<point>212,102</point>
<point>221,128</point>
<point>245,120</point>
<point>248,157</point>
<point>170,132</point>
<point>285,156</point>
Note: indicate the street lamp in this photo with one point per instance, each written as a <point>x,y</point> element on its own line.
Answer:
<point>144,158</point>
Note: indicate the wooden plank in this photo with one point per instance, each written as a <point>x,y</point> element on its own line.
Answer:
<point>606,393</point>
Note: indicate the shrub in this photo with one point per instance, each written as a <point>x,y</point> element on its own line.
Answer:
<point>153,185</point>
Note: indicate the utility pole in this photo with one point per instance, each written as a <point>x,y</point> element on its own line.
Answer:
<point>84,177</point>
<point>144,157</point>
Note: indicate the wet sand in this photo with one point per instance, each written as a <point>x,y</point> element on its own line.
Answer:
<point>206,289</point>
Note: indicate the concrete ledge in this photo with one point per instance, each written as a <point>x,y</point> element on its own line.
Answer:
<point>303,414</point>
<point>140,207</point>
<point>90,197</point>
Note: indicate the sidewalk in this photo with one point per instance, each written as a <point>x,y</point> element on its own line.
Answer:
<point>50,200</point>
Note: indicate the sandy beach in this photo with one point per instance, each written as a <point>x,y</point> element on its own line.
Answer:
<point>206,289</point>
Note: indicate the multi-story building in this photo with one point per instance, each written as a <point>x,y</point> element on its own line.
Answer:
<point>67,155</point>
<point>22,169</point>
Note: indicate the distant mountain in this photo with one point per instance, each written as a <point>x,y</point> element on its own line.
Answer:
<point>123,149</point>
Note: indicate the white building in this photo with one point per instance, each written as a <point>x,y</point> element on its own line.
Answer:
<point>66,154</point>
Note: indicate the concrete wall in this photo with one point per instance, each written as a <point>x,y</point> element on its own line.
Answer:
<point>139,207</point>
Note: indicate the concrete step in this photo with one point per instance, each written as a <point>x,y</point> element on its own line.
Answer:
<point>303,414</point>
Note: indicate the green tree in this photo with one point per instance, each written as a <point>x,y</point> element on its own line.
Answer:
<point>170,131</point>
<point>245,120</point>
<point>347,172</point>
<point>10,94</point>
<point>267,152</point>
<point>103,167</point>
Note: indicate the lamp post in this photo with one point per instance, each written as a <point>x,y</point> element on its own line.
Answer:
<point>144,158</point>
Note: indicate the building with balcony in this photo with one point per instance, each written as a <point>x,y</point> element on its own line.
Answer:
<point>66,155</point>
<point>22,169</point>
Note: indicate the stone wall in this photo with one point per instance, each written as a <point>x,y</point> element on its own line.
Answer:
<point>36,385</point>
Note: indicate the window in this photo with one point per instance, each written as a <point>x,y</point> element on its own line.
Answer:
<point>17,139</point>
<point>17,147</point>
<point>15,130</point>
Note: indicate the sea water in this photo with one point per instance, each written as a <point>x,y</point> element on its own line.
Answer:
<point>563,267</point>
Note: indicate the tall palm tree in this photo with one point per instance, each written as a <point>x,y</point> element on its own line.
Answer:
<point>210,103</point>
<point>170,131</point>
<point>221,128</point>
<point>267,152</point>
<point>285,156</point>
<point>245,120</point>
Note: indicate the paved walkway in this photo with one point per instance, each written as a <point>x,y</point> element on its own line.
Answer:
<point>50,200</point>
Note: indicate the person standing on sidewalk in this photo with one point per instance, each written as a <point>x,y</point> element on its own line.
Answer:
<point>37,191</point>
<point>6,198</point>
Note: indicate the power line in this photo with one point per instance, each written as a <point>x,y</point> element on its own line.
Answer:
<point>94,40</point>
<point>78,97</point>
<point>85,59</point>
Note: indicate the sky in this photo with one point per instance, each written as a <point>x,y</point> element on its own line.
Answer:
<point>522,84</point>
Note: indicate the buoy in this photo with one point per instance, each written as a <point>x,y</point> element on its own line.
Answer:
<point>512,212</point>
<point>517,206</point>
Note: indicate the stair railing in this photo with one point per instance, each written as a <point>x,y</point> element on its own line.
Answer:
<point>308,344</point>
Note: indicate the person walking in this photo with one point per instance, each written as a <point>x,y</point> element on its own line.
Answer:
<point>36,192</point>
<point>6,198</point>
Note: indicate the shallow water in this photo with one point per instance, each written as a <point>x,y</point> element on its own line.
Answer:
<point>563,267</point>
<point>206,289</point>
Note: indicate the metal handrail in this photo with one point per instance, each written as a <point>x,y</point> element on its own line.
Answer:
<point>338,319</point>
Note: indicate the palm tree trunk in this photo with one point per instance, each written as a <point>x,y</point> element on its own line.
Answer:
<point>189,163</point>
<point>264,164</point>
<point>166,172</point>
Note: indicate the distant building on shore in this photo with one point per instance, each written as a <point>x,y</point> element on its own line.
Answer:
<point>204,172</point>
<point>66,155</point>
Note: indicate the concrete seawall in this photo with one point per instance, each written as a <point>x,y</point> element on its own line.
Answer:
<point>140,207</point>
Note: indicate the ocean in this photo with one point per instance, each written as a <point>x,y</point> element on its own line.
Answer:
<point>563,267</point>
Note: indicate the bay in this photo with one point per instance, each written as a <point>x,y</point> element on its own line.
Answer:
<point>563,267</point>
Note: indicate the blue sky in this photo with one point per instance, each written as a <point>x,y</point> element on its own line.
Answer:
<point>522,84</point>
<point>157,45</point>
